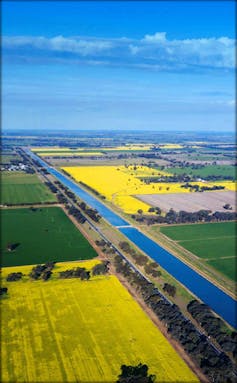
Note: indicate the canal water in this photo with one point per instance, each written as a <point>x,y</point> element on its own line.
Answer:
<point>219,301</point>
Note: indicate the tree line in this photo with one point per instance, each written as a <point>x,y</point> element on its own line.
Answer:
<point>141,259</point>
<point>198,188</point>
<point>92,213</point>
<point>44,272</point>
<point>216,365</point>
<point>94,191</point>
<point>214,326</point>
<point>173,217</point>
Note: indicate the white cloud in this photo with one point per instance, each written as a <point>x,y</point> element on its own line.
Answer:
<point>153,51</point>
<point>157,37</point>
<point>84,47</point>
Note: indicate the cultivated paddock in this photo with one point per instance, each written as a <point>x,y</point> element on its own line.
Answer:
<point>191,202</point>
<point>80,331</point>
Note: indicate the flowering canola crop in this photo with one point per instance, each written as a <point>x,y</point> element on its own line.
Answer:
<point>121,184</point>
<point>80,331</point>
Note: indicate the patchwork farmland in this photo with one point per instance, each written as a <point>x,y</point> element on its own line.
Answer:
<point>41,235</point>
<point>215,243</point>
<point>72,330</point>
<point>122,184</point>
<point>20,188</point>
<point>83,331</point>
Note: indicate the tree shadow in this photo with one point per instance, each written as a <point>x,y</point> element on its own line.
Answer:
<point>13,246</point>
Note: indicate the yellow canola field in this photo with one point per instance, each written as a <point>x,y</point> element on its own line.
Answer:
<point>143,171</point>
<point>229,185</point>
<point>60,266</point>
<point>130,147</point>
<point>171,146</point>
<point>80,331</point>
<point>70,154</point>
<point>119,184</point>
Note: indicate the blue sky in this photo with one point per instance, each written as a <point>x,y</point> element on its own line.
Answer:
<point>118,65</point>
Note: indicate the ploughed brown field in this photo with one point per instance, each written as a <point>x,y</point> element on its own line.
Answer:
<point>191,202</point>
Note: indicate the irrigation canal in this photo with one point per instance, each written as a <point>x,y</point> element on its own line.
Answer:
<point>218,300</point>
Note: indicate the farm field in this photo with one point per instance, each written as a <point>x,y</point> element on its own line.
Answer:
<point>87,340</point>
<point>70,154</point>
<point>60,149</point>
<point>212,200</point>
<point>116,183</point>
<point>41,235</point>
<point>7,158</point>
<point>99,161</point>
<point>120,184</point>
<point>20,188</point>
<point>229,185</point>
<point>128,147</point>
<point>211,170</point>
<point>171,146</point>
<point>215,243</point>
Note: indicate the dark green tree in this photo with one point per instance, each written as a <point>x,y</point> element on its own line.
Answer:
<point>135,374</point>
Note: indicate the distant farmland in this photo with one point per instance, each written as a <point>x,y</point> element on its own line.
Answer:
<point>8,157</point>
<point>191,202</point>
<point>215,243</point>
<point>41,236</point>
<point>20,188</point>
<point>80,331</point>
<point>210,170</point>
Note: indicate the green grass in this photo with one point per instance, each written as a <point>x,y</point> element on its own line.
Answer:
<point>199,231</point>
<point>7,158</point>
<point>210,170</point>
<point>43,235</point>
<point>20,188</point>
<point>211,247</point>
<point>226,265</point>
<point>214,242</point>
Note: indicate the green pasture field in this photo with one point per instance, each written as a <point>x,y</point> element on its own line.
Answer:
<point>20,188</point>
<point>41,235</point>
<point>210,170</point>
<point>8,157</point>
<point>215,243</point>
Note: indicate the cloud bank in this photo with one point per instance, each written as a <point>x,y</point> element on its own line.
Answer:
<point>155,52</point>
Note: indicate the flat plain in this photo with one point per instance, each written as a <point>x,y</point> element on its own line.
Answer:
<point>8,157</point>
<point>80,331</point>
<point>209,200</point>
<point>20,188</point>
<point>41,235</point>
<point>120,184</point>
<point>215,243</point>
<point>205,171</point>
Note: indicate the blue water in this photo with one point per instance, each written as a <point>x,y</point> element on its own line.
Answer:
<point>104,211</point>
<point>220,302</point>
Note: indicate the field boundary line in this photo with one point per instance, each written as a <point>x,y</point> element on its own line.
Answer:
<point>203,239</point>
<point>212,259</point>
